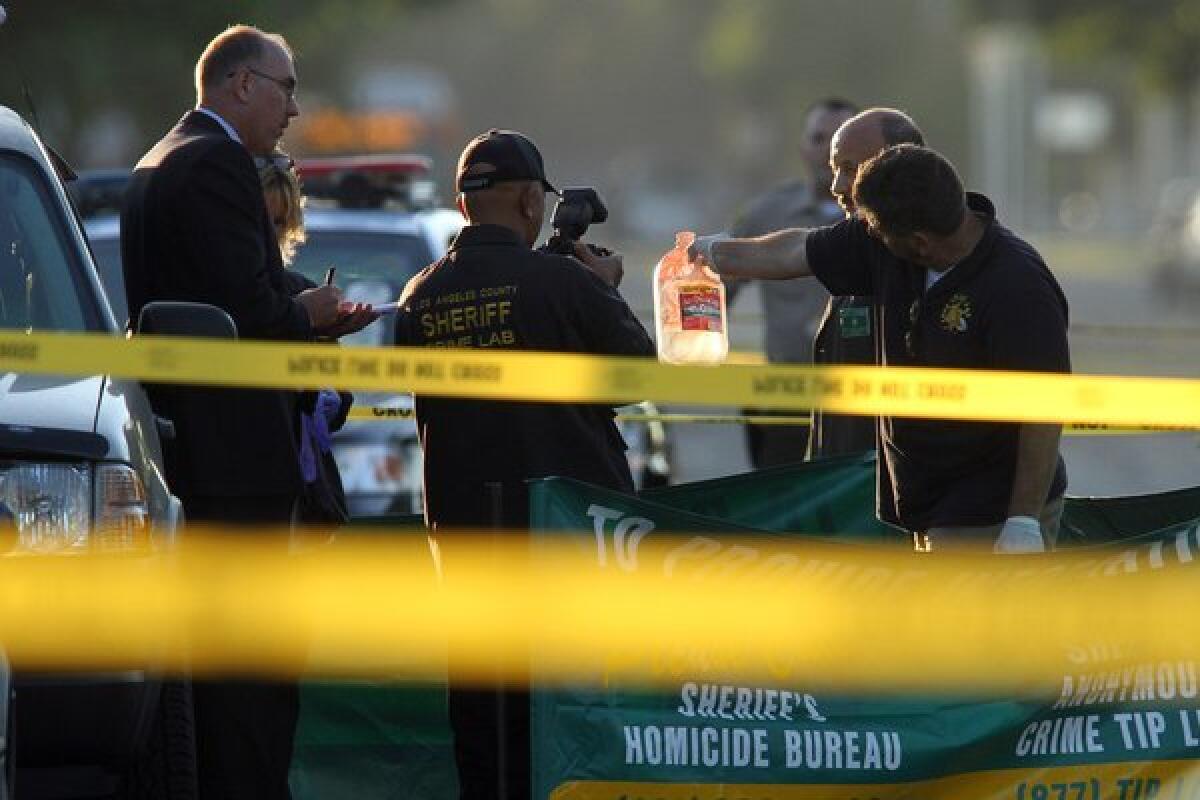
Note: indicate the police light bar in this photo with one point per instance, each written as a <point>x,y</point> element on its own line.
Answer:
<point>412,166</point>
<point>369,181</point>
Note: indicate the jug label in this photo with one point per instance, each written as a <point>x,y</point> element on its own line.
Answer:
<point>700,309</point>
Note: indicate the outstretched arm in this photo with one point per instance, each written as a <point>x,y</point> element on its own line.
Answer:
<point>774,256</point>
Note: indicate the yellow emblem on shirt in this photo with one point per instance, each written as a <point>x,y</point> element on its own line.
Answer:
<point>955,313</point>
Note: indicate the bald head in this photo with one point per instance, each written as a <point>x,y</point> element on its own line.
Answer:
<point>516,205</point>
<point>893,125</point>
<point>860,139</point>
<point>230,49</point>
<point>247,76</point>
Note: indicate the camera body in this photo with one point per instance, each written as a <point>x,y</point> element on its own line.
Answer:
<point>576,210</point>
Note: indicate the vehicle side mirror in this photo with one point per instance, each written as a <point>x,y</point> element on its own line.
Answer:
<point>173,318</point>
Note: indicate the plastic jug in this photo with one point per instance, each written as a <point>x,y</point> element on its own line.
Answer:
<point>689,308</point>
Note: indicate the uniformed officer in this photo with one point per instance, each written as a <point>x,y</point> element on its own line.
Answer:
<point>848,329</point>
<point>493,290</point>
<point>954,289</point>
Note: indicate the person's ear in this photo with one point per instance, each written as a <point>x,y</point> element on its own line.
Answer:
<point>240,84</point>
<point>922,243</point>
<point>460,202</point>
<point>529,202</point>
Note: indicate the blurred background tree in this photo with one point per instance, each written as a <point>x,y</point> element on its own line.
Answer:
<point>1142,61</point>
<point>677,109</point>
<point>129,62</point>
<point>685,104</point>
<point>1159,38</point>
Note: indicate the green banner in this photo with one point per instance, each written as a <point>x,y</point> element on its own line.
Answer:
<point>374,740</point>
<point>1101,732</point>
<point>383,740</point>
<point>833,497</point>
<point>1111,520</point>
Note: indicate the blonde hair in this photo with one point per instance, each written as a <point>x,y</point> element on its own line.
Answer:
<point>276,177</point>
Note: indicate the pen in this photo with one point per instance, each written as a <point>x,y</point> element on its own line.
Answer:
<point>329,276</point>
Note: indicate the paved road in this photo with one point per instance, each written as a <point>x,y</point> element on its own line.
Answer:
<point>1131,465</point>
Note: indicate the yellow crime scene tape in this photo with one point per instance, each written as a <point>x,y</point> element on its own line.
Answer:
<point>369,606</point>
<point>556,377</point>
<point>1077,328</point>
<point>385,414</point>
<point>829,615</point>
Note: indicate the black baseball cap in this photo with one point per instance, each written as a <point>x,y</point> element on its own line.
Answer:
<point>498,156</point>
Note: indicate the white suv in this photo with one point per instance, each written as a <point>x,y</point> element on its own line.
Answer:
<point>80,472</point>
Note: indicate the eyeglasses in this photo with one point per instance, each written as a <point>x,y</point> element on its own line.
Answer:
<point>279,161</point>
<point>287,85</point>
<point>912,335</point>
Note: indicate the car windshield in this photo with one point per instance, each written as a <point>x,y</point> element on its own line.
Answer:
<point>371,268</point>
<point>42,276</point>
<point>108,264</point>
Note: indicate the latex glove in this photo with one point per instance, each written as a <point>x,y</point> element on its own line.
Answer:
<point>1020,535</point>
<point>703,247</point>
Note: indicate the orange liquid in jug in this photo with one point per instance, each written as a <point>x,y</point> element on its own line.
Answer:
<point>689,309</point>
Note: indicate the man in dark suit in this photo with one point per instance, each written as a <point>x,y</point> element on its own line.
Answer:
<point>195,228</point>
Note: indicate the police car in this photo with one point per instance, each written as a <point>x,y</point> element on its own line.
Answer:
<point>375,218</point>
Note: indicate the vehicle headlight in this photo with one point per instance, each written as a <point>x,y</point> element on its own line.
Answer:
<point>122,516</point>
<point>378,467</point>
<point>69,508</point>
<point>50,506</point>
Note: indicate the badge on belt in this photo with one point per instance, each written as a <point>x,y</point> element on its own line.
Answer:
<point>854,322</point>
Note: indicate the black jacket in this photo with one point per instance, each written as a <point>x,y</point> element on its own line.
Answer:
<point>493,291</point>
<point>1000,308</point>
<point>195,228</point>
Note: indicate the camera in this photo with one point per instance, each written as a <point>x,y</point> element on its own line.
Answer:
<point>576,209</point>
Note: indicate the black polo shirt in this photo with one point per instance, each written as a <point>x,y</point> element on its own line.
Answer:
<point>491,290</point>
<point>999,309</point>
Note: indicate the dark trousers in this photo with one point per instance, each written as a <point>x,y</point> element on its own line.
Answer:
<point>490,723</point>
<point>775,445</point>
<point>491,742</point>
<point>244,729</point>
<point>244,736</point>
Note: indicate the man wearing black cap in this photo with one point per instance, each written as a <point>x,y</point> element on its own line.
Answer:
<point>493,290</point>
